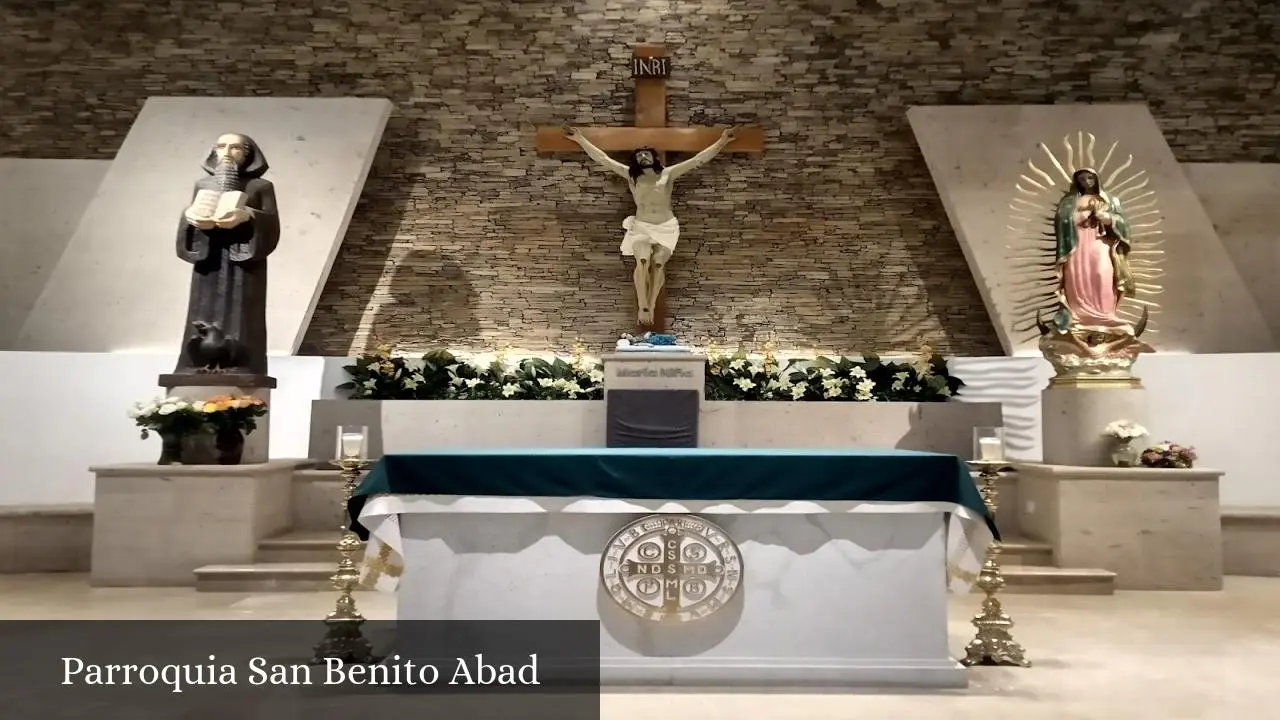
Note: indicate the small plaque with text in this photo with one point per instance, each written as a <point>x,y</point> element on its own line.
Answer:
<point>650,67</point>
<point>653,372</point>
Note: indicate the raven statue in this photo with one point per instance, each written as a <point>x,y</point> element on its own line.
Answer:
<point>210,350</point>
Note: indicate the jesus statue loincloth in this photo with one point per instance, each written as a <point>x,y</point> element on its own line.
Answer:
<point>639,232</point>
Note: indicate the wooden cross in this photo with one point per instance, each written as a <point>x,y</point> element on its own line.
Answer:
<point>649,66</point>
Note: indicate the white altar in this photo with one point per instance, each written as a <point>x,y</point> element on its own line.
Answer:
<point>837,594</point>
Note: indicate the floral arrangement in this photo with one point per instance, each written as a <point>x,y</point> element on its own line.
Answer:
<point>225,413</point>
<point>868,379</point>
<point>1124,430</point>
<point>442,375</point>
<point>167,416</point>
<point>1169,455</point>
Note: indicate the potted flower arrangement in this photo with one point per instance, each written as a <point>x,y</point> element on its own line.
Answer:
<point>173,419</point>
<point>230,419</point>
<point>1169,455</point>
<point>1123,433</point>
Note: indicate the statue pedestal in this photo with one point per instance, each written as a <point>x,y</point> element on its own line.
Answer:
<point>1073,418</point>
<point>203,386</point>
<point>1156,529</point>
<point>653,399</point>
<point>153,525</point>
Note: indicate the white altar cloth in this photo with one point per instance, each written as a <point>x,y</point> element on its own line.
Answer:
<point>832,593</point>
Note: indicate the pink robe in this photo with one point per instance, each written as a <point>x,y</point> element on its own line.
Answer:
<point>1089,279</point>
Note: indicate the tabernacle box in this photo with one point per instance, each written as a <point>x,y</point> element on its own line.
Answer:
<point>653,399</point>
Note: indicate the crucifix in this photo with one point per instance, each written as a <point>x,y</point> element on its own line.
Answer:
<point>652,232</point>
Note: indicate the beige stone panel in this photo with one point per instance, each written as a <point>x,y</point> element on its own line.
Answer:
<point>1243,201</point>
<point>41,205</point>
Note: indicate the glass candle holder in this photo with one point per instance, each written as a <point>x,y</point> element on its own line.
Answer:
<point>352,443</point>
<point>988,444</point>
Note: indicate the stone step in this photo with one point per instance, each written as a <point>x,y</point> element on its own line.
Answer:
<point>1021,551</point>
<point>1031,580</point>
<point>318,471</point>
<point>301,547</point>
<point>266,577</point>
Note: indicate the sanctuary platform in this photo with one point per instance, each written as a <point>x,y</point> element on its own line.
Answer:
<point>402,426</point>
<point>704,567</point>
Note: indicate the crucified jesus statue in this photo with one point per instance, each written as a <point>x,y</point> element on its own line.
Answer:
<point>653,231</point>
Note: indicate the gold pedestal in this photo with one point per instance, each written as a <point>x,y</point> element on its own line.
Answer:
<point>994,643</point>
<point>343,639</point>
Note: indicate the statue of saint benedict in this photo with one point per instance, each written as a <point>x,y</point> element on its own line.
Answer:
<point>226,234</point>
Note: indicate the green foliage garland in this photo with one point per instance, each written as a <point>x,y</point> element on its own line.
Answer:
<point>441,375</point>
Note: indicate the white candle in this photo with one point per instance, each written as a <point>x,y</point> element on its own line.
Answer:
<point>352,444</point>
<point>990,449</point>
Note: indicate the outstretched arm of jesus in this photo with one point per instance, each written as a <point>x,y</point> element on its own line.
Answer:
<point>596,153</point>
<point>702,158</point>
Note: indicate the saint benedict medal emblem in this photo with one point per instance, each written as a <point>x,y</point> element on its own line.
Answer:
<point>671,568</point>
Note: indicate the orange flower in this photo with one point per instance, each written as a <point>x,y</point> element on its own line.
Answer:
<point>222,403</point>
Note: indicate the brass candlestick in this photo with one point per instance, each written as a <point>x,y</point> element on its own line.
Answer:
<point>994,643</point>
<point>343,639</point>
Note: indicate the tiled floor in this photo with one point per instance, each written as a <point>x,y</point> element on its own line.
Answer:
<point>1171,656</point>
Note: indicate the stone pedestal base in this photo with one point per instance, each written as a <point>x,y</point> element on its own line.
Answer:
<point>1156,529</point>
<point>205,386</point>
<point>1072,420</point>
<point>153,525</point>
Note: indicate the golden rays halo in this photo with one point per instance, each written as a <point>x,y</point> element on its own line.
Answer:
<point>1033,269</point>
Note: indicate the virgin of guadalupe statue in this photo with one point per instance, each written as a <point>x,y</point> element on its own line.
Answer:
<point>1092,279</point>
<point>1093,248</point>
<point>226,234</point>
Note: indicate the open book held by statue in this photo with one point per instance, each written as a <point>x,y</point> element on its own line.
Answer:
<point>216,208</point>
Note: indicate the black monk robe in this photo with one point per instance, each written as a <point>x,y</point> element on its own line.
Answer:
<point>229,278</point>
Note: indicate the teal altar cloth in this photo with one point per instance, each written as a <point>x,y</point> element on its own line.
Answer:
<point>864,475</point>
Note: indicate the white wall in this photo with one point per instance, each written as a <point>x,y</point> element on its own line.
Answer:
<point>120,287</point>
<point>64,412</point>
<point>41,205</point>
<point>1227,406</point>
